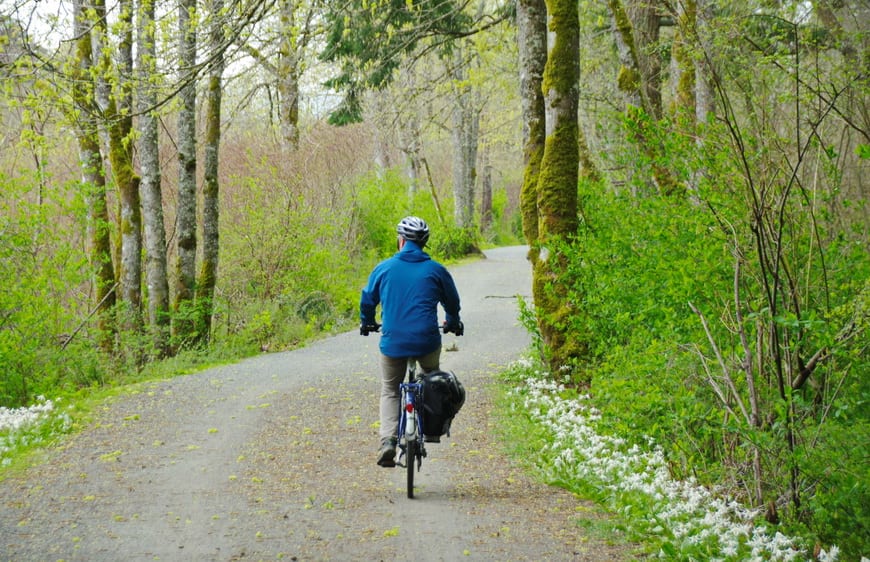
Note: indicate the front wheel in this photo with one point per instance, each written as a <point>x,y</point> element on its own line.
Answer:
<point>411,464</point>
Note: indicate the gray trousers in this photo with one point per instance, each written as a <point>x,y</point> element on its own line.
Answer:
<point>393,371</point>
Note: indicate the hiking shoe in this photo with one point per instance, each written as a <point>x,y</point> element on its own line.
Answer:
<point>387,453</point>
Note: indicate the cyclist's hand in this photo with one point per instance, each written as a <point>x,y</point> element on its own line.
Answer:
<point>364,329</point>
<point>457,328</point>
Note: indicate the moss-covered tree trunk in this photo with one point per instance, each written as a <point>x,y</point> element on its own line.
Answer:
<point>682,75</point>
<point>557,181</point>
<point>183,326</point>
<point>120,126</point>
<point>156,277</point>
<point>93,177</point>
<point>704,97</point>
<point>636,36</point>
<point>211,187</point>
<point>532,38</point>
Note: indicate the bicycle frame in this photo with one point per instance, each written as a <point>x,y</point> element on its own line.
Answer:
<point>410,432</point>
<point>410,422</point>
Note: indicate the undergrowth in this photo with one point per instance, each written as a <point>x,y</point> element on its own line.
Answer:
<point>555,430</point>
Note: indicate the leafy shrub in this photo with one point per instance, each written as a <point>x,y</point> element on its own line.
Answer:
<point>379,204</point>
<point>453,243</point>
<point>637,265</point>
<point>632,272</point>
<point>41,269</point>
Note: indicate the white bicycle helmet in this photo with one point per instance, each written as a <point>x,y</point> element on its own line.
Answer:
<point>414,229</point>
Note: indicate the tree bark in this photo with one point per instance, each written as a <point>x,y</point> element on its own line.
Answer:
<point>465,129</point>
<point>636,35</point>
<point>121,158</point>
<point>682,65</point>
<point>93,178</point>
<point>558,182</point>
<point>288,76</point>
<point>644,15</point>
<point>486,191</point>
<point>704,99</point>
<point>185,271</point>
<point>208,272</point>
<point>156,277</point>
<point>532,38</point>
<point>636,32</point>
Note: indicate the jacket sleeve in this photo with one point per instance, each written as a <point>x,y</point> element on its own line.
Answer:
<point>449,298</point>
<point>370,299</point>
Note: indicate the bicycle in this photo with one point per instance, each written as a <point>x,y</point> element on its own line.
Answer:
<point>410,438</point>
<point>410,433</point>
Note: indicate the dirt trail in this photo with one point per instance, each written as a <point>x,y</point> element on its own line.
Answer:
<point>273,458</point>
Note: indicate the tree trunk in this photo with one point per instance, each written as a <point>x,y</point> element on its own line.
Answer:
<point>93,179</point>
<point>682,80</point>
<point>210,209</point>
<point>704,97</point>
<point>411,146</point>
<point>558,181</point>
<point>644,16</point>
<point>156,278</point>
<point>288,76</point>
<point>532,37</point>
<point>636,36</point>
<point>185,270</point>
<point>121,157</point>
<point>486,191</point>
<point>636,32</point>
<point>465,127</point>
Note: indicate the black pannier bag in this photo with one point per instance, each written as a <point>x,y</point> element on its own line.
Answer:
<point>443,396</point>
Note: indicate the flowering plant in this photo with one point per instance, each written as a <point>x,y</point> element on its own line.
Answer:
<point>688,520</point>
<point>22,427</point>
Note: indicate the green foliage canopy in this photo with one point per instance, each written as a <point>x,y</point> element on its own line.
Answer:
<point>371,39</point>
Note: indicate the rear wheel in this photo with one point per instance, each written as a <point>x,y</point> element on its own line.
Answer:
<point>411,464</point>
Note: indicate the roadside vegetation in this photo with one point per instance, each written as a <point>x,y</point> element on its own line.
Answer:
<point>672,519</point>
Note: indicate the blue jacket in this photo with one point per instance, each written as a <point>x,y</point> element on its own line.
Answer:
<point>409,287</point>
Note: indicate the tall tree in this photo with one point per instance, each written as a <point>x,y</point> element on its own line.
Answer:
<point>93,176</point>
<point>119,124</point>
<point>156,277</point>
<point>294,38</point>
<point>636,33</point>
<point>532,38</point>
<point>286,64</point>
<point>557,181</point>
<point>208,272</point>
<point>185,271</point>
<point>464,131</point>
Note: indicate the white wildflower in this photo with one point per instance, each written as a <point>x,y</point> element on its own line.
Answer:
<point>692,513</point>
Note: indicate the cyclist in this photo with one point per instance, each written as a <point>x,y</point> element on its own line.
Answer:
<point>408,286</point>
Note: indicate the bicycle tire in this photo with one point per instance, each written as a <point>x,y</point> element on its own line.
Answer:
<point>411,462</point>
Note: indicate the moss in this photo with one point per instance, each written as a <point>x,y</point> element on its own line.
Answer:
<point>529,194</point>
<point>685,95</point>
<point>624,28</point>
<point>556,318</point>
<point>562,71</point>
<point>628,80</point>
<point>557,184</point>
<point>558,180</point>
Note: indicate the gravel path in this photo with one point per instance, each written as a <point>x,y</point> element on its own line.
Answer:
<point>273,458</point>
